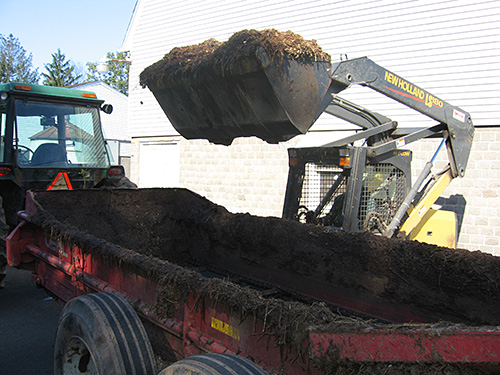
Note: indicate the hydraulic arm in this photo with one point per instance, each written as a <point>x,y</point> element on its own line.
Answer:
<point>454,121</point>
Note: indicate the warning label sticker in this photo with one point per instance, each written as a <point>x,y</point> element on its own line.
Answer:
<point>225,328</point>
<point>457,115</point>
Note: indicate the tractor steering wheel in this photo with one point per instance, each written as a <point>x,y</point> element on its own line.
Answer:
<point>24,154</point>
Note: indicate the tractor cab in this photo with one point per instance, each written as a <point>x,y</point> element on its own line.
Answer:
<point>51,138</point>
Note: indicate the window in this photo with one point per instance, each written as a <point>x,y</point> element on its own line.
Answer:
<point>3,116</point>
<point>59,135</point>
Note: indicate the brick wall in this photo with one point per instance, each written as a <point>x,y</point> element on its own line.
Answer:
<point>248,176</point>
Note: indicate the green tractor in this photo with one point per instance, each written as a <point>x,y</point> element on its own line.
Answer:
<point>51,138</point>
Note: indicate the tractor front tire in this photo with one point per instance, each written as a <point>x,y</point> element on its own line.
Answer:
<point>102,334</point>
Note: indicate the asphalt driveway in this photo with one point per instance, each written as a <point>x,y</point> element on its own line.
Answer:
<point>28,323</point>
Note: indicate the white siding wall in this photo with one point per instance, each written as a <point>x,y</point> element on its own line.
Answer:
<point>451,48</point>
<point>115,125</point>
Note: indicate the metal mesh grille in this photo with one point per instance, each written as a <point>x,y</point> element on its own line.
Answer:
<point>318,180</point>
<point>384,189</point>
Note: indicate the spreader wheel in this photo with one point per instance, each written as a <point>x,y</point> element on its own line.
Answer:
<point>101,334</point>
<point>214,364</point>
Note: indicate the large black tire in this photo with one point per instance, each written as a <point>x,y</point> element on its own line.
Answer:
<point>102,334</point>
<point>214,364</point>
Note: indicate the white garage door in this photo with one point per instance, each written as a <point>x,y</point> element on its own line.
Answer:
<point>159,164</point>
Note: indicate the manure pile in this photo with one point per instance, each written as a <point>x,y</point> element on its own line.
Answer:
<point>223,56</point>
<point>183,228</point>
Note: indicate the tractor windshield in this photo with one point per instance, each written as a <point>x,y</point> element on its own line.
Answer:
<point>59,135</point>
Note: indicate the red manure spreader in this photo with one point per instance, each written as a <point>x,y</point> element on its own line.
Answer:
<point>163,281</point>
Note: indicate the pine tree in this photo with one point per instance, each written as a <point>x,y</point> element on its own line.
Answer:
<point>60,72</point>
<point>117,76</point>
<point>15,65</point>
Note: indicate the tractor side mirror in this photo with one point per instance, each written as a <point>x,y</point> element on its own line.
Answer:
<point>107,108</point>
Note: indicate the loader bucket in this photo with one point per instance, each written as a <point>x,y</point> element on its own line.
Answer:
<point>274,99</point>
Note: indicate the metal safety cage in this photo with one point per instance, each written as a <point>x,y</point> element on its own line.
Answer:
<point>341,187</point>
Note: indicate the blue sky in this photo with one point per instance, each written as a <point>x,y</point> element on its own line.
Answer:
<point>83,30</point>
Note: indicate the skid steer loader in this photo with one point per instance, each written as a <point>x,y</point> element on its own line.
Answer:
<point>362,182</point>
<point>368,187</point>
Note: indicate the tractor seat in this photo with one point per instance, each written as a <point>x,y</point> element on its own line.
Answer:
<point>49,154</point>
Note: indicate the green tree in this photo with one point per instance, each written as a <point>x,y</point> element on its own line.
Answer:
<point>117,76</point>
<point>60,72</point>
<point>15,64</point>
